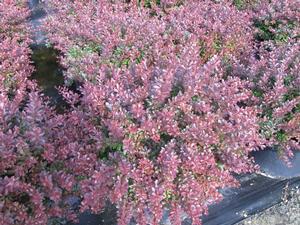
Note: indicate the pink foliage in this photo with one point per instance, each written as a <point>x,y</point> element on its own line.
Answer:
<point>13,15</point>
<point>122,33</point>
<point>172,99</point>
<point>276,84</point>
<point>180,147</point>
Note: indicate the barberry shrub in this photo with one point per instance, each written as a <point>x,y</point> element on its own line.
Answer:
<point>121,33</point>
<point>277,22</point>
<point>14,40</point>
<point>275,82</point>
<point>173,135</point>
<point>13,16</point>
<point>273,70</point>
<point>173,125</point>
<point>168,108</point>
<point>141,67</point>
<point>34,183</point>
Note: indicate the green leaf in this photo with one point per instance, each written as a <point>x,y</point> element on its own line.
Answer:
<point>281,136</point>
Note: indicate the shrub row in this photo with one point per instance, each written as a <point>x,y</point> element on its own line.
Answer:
<point>171,99</point>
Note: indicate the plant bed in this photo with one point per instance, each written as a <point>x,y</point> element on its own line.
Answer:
<point>256,194</point>
<point>172,100</point>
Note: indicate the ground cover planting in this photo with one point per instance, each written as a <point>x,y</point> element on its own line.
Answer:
<point>166,101</point>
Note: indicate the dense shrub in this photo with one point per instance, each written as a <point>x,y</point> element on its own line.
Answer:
<point>171,98</point>
<point>13,16</point>
<point>14,40</point>
<point>276,85</point>
<point>120,34</point>
<point>43,155</point>
<point>151,78</point>
<point>173,124</point>
<point>39,153</point>
<point>175,138</point>
<point>274,73</point>
<point>32,181</point>
<point>277,22</point>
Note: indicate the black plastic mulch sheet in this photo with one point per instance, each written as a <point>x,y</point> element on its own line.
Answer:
<point>256,193</point>
<point>272,166</point>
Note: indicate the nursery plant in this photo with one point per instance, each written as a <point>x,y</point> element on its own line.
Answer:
<point>275,85</point>
<point>119,34</point>
<point>172,122</point>
<point>34,182</point>
<point>274,73</point>
<point>166,102</point>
